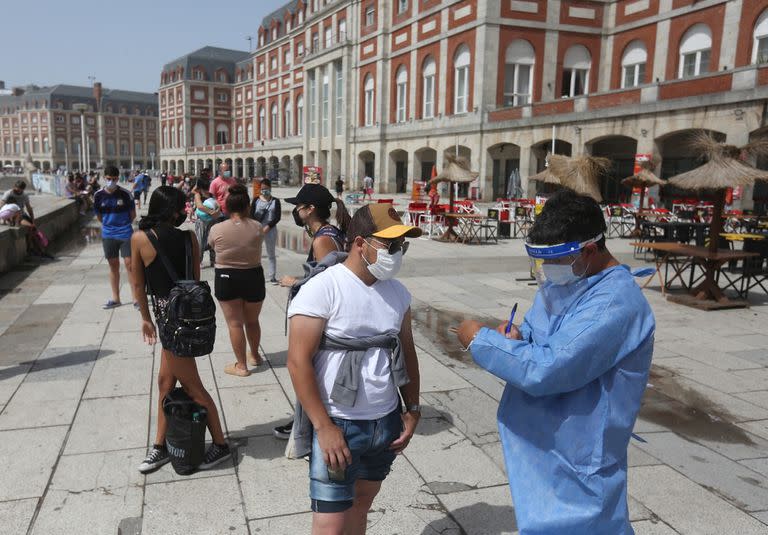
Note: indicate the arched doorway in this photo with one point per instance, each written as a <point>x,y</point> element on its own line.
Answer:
<point>366,166</point>
<point>180,167</point>
<point>297,169</point>
<point>285,170</point>
<point>501,165</point>
<point>273,169</point>
<point>424,160</point>
<point>620,150</point>
<point>250,168</point>
<point>398,170</point>
<point>760,189</point>
<point>238,170</point>
<point>261,166</point>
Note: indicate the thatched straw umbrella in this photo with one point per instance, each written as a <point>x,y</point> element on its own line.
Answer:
<point>725,168</point>
<point>457,171</point>
<point>645,178</point>
<point>580,173</point>
<point>546,177</point>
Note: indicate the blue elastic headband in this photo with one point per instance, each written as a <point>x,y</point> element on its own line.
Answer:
<point>546,252</point>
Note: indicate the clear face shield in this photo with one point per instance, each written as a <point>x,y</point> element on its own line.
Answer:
<point>553,267</point>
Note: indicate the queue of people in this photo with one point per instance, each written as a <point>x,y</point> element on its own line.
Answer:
<point>575,368</point>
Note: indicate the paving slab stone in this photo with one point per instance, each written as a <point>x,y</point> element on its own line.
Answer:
<point>183,507</point>
<point>34,453</point>
<point>119,377</point>
<point>652,527</point>
<point>21,413</point>
<point>92,493</point>
<point>16,515</point>
<point>59,293</point>
<point>254,410</point>
<point>295,523</point>
<point>697,512</point>
<point>485,511</point>
<point>472,412</point>
<point>107,424</point>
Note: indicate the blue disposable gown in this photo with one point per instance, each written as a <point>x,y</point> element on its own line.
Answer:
<point>574,386</point>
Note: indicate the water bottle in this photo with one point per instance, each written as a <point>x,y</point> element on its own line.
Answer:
<point>195,416</point>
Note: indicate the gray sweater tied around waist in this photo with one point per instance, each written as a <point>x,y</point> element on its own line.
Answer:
<point>347,381</point>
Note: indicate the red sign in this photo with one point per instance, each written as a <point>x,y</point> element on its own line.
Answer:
<point>313,174</point>
<point>640,159</point>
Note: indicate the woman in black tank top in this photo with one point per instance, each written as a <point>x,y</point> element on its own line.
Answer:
<point>166,212</point>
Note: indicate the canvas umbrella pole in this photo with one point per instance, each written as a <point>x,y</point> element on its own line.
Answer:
<point>643,179</point>
<point>456,171</point>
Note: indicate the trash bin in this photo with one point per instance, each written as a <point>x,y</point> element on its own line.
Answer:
<point>185,437</point>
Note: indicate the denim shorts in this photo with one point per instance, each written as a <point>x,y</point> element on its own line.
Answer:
<point>114,247</point>
<point>369,441</point>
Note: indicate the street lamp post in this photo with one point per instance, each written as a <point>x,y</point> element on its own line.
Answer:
<point>81,108</point>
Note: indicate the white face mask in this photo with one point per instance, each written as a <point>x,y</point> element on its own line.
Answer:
<point>386,266</point>
<point>111,185</point>
<point>559,274</point>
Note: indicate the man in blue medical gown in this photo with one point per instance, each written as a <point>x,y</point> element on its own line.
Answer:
<point>575,370</point>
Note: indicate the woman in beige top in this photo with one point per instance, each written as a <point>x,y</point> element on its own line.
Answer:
<point>239,278</point>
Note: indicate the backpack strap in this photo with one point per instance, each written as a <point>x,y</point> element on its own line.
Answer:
<point>188,255</point>
<point>162,256</point>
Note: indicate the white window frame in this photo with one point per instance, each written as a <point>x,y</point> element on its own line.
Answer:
<point>519,55</point>
<point>369,94</point>
<point>428,88</point>
<point>328,33</point>
<point>401,95</point>
<point>634,57</point>
<point>262,122</point>
<point>300,115</point>
<point>338,88</point>
<point>312,106</point>
<point>402,6</point>
<point>222,129</point>
<point>696,42</point>
<point>239,136</point>
<point>461,63</point>
<point>342,30</point>
<point>288,123</point>
<point>370,17</point>
<point>577,61</point>
<point>325,103</point>
<point>249,133</point>
<point>274,116</point>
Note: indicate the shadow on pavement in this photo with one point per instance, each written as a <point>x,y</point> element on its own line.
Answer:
<point>485,518</point>
<point>60,361</point>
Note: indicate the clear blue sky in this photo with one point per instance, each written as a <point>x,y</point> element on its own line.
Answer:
<point>123,44</point>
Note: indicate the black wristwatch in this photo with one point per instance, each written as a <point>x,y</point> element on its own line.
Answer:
<point>413,408</point>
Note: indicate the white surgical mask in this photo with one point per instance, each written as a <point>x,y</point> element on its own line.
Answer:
<point>386,266</point>
<point>111,185</point>
<point>560,274</point>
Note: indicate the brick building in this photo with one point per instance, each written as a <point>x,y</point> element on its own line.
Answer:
<point>42,125</point>
<point>389,87</point>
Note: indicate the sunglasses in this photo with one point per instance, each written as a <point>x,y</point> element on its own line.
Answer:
<point>393,246</point>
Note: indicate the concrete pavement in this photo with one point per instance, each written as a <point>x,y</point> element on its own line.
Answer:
<point>78,403</point>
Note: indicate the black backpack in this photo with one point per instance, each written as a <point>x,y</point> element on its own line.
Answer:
<point>188,323</point>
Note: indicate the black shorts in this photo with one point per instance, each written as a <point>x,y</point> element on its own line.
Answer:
<point>113,248</point>
<point>245,284</point>
<point>136,195</point>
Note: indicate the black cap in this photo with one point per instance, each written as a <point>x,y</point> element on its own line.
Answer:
<point>315,194</point>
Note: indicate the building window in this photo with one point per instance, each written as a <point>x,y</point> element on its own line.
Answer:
<point>165,137</point>
<point>249,133</point>
<point>518,73</point>
<point>287,118</point>
<point>401,94</point>
<point>239,96</point>
<point>222,134</point>
<point>248,95</point>
<point>261,67</point>
<point>576,67</point>
<point>199,135</point>
<point>428,88</point>
<point>198,74</point>
<point>342,30</point>
<point>35,145</point>
<point>370,16</point>
<point>461,80</point>
<point>75,119</point>
<point>369,101</point>
<point>288,26</point>
<point>274,33</point>
<point>328,37</point>
<point>287,57</point>
<point>324,102</point>
<point>315,42</point>
<point>301,16</point>
<point>273,63</point>
<point>138,148</point>
<point>338,87</point>
<point>173,136</point>
<point>123,148</point>
<point>46,145</point>
<point>300,115</point>
<point>110,147</point>
<point>274,126</point>
<point>312,105</point>
<point>695,50</point>
<point>59,119</point>
<point>151,149</point>
<point>262,122</point>
<point>239,138</point>
<point>633,64</point>
<point>222,76</point>
<point>402,6</point>
<point>26,145</point>
<point>222,97</point>
<point>61,145</point>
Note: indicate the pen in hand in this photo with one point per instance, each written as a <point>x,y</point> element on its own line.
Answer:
<point>511,319</point>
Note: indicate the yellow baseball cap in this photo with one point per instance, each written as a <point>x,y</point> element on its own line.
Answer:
<point>388,223</point>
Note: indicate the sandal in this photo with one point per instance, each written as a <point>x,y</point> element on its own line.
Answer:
<point>111,304</point>
<point>232,369</point>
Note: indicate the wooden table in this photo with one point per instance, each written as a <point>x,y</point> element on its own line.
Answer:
<point>669,255</point>
<point>683,256</point>
<point>465,231</point>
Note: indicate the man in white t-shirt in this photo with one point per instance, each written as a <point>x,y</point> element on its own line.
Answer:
<point>351,395</point>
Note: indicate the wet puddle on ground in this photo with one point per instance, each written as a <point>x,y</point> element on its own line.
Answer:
<point>686,412</point>
<point>435,325</point>
<point>668,403</point>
